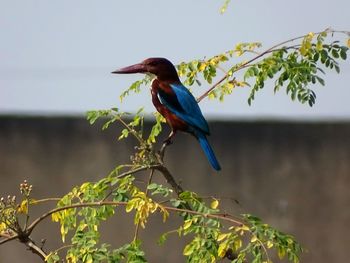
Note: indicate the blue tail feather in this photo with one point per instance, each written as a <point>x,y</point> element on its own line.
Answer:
<point>203,141</point>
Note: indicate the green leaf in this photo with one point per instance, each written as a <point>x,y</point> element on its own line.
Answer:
<point>224,6</point>
<point>320,80</point>
<point>162,239</point>
<point>343,54</point>
<point>188,250</point>
<point>281,252</point>
<point>335,53</point>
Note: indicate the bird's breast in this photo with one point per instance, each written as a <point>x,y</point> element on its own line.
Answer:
<point>174,121</point>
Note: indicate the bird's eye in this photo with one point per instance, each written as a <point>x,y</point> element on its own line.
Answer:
<point>153,63</point>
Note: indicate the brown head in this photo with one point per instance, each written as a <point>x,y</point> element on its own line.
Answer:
<point>161,67</point>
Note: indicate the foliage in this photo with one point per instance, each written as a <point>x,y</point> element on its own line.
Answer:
<point>215,235</point>
<point>296,67</point>
<point>293,66</point>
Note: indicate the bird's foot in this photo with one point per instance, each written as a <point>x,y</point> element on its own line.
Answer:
<point>166,143</point>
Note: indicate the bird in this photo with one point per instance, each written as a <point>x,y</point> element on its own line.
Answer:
<point>174,102</point>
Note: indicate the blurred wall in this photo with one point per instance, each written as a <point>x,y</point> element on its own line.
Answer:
<point>294,175</point>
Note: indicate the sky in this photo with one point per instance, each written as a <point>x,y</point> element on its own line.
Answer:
<point>56,56</point>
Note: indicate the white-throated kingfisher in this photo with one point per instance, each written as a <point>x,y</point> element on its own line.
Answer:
<point>175,102</point>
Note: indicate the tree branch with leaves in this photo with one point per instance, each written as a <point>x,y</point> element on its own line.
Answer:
<point>294,64</point>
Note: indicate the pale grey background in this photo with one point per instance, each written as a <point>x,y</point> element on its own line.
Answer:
<point>55,56</point>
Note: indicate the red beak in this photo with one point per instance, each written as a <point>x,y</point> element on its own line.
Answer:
<point>137,68</point>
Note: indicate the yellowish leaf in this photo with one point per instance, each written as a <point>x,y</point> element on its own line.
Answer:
<point>33,201</point>
<point>214,204</point>
<point>245,228</point>
<point>319,46</point>
<point>237,244</point>
<point>241,83</point>
<point>89,259</point>
<point>254,239</point>
<point>348,43</point>
<point>281,252</point>
<point>55,217</point>
<point>63,233</point>
<point>142,224</point>
<point>289,241</point>
<point>2,227</point>
<point>188,250</point>
<point>222,237</point>
<point>211,95</point>
<point>48,256</point>
<point>202,66</point>
<point>23,208</point>
<point>213,62</point>
<point>165,215</point>
<point>129,206</point>
<point>71,258</point>
<point>269,244</point>
<point>222,249</point>
<point>311,34</point>
<point>239,53</point>
<point>165,212</point>
<point>187,224</point>
<point>82,227</point>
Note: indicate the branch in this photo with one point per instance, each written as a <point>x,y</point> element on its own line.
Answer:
<point>50,199</point>
<point>170,179</point>
<point>140,169</point>
<point>35,249</point>
<point>8,238</point>
<point>269,50</point>
<point>161,168</point>
<point>24,238</point>
<point>224,217</point>
<point>55,210</point>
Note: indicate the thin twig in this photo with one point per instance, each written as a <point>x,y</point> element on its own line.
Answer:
<point>61,248</point>
<point>12,237</point>
<point>5,235</point>
<point>224,217</point>
<point>27,214</point>
<point>141,141</point>
<point>34,202</point>
<point>132,171</point>
<point>149,181</point>
<point>55,210</point>
<point>264,248</point>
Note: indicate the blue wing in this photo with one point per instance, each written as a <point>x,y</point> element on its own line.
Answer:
<point>185,107</point>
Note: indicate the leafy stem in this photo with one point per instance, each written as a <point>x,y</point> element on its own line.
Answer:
<point>260,55</point>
